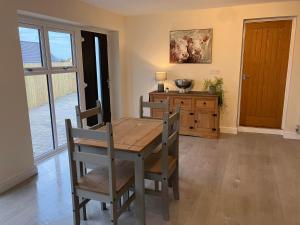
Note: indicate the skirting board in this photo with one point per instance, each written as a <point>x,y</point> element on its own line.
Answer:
<point>291,135</point>
<point>17,179</point>
<point>260,130</point>
<point>228,130</point>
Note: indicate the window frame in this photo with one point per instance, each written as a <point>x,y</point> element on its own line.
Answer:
<point>44,27</point>
<point>36,70</point>
<point>57,69</point>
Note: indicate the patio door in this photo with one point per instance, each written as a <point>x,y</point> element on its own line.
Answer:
<point>50,69</point>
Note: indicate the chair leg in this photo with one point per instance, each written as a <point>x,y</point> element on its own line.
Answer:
<point>176,184</point>
<point>76,210</point>
<point>165,199</point>
<point>125,198</point>
<point>103,206</point>
<point>156,185</point>
<point>113,214</point>
<point>83,211</point>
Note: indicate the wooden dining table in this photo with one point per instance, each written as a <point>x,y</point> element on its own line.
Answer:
<point>134,140</point>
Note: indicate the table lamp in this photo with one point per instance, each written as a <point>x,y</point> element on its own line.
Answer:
<point>160,77</point>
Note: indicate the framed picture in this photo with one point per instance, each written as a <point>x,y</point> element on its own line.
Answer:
<point>191,46</point>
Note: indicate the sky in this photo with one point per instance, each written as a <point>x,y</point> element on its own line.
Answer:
<point>60,43</point>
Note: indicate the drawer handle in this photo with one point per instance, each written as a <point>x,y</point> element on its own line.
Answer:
<point>191,114</point>
<point>214,129</point>
<point>161,101</point>
<point>196,121</point>
<point>214,114</point>
<point>191,128</point>
<point>182,102</point>
<point>170,112</point>
<point>204,103</point>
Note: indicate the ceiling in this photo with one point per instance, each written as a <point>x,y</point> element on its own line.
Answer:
<point>137,7</point>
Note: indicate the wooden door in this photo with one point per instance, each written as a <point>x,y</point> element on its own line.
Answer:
<point>265,62</point>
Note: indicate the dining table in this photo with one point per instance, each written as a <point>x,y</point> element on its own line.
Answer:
<point>134,140</point>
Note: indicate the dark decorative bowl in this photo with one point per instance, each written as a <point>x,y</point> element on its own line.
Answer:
<point>183,83</point>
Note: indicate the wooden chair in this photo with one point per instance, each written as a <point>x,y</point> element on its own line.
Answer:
<point>107,183</point>
<point>97,111</point>
<point>80,116</point>
<point>163,166</point>
<point>164,105</point>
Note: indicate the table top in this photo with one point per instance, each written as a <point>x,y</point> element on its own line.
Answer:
<point>130,134</point>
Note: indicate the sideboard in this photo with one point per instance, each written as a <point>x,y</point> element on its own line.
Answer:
<point>200,111</point>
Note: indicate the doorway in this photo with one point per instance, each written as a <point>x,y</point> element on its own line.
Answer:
<point>95,73</point>
<point>264,73</point>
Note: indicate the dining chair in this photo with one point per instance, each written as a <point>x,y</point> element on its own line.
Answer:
<point>164,105</point>
<point>80,116</point>
<point>106,183</point>
<point>163,166</point>
<point>96,111</point>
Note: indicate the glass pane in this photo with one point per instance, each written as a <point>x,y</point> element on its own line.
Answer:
<point>98,68</point>
<point>39,114</point>
<point>60,49</point>
<point>65,100</point>
<point>31,47</point>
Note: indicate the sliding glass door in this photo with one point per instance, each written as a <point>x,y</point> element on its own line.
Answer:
<point>50,69</point>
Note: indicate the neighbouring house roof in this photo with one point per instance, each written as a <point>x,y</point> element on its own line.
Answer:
<point>31,52</point>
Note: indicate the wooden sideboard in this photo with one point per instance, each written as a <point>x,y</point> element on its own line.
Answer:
<point>200,111</point>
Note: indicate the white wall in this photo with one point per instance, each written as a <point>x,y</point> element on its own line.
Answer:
<point>147,51</point>
<point>16,158</point>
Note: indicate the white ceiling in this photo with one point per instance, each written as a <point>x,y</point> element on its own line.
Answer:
<point>136,7</point>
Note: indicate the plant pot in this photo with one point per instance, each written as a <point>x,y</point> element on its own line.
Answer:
<point>212,90</point>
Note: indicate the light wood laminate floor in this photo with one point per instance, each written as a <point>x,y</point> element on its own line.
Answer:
<point>244,179</point>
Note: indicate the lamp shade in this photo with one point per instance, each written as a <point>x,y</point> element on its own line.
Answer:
<point>160,76</point>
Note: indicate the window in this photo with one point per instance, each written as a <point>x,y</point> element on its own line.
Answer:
<point>60,49</point>
<point>51,83</point>
<point>31,47</point>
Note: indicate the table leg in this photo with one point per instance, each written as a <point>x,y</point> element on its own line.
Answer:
<point>139,191</point>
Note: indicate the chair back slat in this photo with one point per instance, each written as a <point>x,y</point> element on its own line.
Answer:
<point>172,138</point>
<point>89,113</point>
<point>173,118</point>
<point>97,126</point>
<point>90,158</point>
<point>164,105</point>
<point>88,134</point>
<point>155,105</point>
<point>81,115</point>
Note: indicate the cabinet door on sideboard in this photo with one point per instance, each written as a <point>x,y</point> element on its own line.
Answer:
<point>205,123</point>
<point>187,124</point>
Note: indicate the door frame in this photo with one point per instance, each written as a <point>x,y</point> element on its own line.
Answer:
<point>288,78</point>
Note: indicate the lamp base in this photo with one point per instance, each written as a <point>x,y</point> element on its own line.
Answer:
<point>160,87</point>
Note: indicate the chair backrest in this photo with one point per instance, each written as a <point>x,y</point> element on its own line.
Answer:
<point>96,111</point>
<point>79,158</point>
<point>164,105</point>
<point>170,138</point>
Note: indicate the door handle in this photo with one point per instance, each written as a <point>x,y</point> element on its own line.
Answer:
<point>245,77</point>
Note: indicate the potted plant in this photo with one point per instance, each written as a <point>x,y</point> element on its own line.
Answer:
<point>215,86</point>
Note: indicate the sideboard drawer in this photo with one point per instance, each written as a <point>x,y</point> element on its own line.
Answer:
<point>159,98</point>
<point>205,104</point>
<point>184,103</point>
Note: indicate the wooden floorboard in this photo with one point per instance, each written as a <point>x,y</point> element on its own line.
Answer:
<point>244,179</point>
